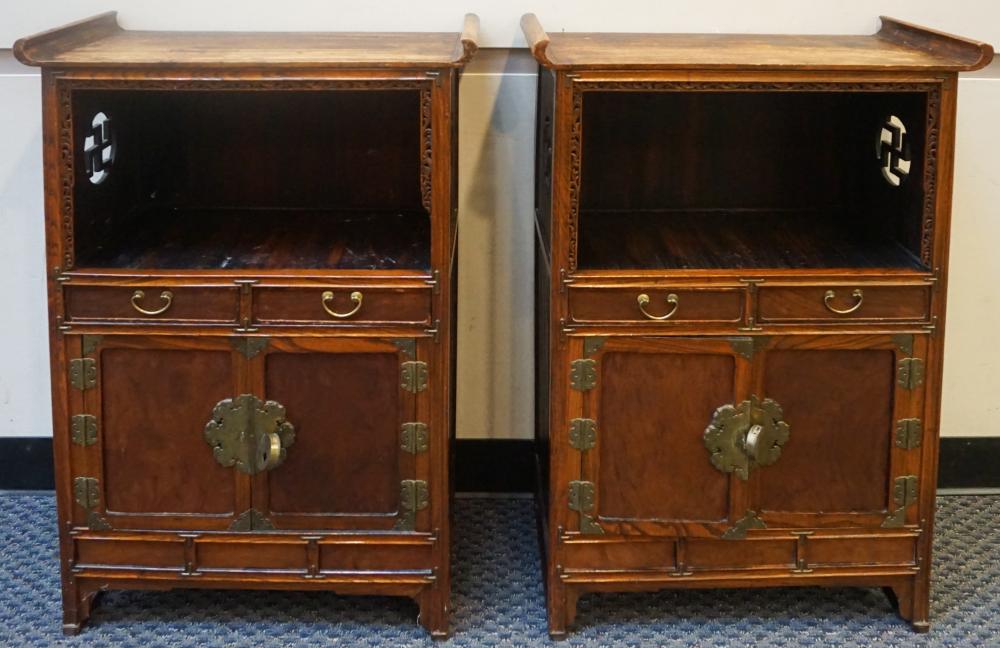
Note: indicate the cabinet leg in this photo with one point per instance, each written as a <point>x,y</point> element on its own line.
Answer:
<point>78,603</point>
<point>562,610</point>
<point>912,601</point>
<point>434,611</point>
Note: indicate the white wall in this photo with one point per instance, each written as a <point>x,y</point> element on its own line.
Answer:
<point>971,392</point>
<point>495,202</point>
<point>978,18</point>
<point>24,370</point>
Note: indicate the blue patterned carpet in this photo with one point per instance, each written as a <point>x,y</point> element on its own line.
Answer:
<point>498,598</point>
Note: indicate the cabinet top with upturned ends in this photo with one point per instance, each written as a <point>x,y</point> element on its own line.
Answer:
<point>897,45</point>
<point>100,42</point>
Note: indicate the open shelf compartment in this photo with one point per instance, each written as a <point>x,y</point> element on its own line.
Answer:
<point>248,179</point>
<point>752,179</point>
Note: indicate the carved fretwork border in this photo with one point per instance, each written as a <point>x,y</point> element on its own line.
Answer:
<point>933,110</point>
<point>65,88</point>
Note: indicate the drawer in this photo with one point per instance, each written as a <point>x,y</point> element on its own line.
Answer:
<point>206,304</point>
<point>340,305</point>
<point>843,302</point>
<point>662,304</point>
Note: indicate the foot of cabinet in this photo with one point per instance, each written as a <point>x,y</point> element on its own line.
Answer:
<point>562,610</point>
<point>912,602</point>
<point>434,612</point>
<point>78,603</point>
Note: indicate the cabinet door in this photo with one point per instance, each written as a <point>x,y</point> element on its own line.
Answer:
<point>852,404</point>
<point>138,408</point>
<point>638,410</point>
<point>359,458</point>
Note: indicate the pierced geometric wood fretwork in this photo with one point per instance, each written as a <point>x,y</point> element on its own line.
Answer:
<point>893,151</point>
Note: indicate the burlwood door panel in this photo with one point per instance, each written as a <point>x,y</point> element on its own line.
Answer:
<point>647,467</point>
<point>149,399</point>
<point>351,405</point>
<point>852,404</point>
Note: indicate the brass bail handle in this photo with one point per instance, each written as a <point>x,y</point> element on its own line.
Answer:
<point>830,295</point>
<point>752,441</point>
<point>356,297</point>
<point>268,451</point>
<point>672,299</point>
<point>166,296</point>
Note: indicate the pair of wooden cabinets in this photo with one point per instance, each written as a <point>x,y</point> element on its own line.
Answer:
<point>741,260</point>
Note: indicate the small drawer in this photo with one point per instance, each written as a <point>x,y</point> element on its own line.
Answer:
<point>660,304</point>
<point>168,304</point>
<point>277,305</point>
<point>843,302</point>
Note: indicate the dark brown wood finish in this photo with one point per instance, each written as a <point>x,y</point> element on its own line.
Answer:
<point>251,175</point>
<point>736,181</point>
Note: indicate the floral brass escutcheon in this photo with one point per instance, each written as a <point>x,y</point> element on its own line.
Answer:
<point>249,433</point>
<point>744,436</point>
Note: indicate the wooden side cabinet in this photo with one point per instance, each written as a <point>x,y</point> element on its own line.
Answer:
<point>251,275</point>
<point>741,273</point>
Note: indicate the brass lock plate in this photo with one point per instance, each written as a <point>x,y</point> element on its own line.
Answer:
<point>745,436</point>
<point>249,433</point>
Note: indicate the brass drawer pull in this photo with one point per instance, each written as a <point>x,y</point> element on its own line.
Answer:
<point>356,297</point>
<point>643,299</point>
<point>166,296</point>
<point>830,295</point>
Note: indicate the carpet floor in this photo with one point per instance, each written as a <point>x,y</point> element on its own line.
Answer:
<point>498,598</point>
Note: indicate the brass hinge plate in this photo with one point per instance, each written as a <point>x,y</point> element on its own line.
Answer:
<point>83,373</point>
<point>908,433</point>
<point>413,376</point>
<point>87,494</point>
<point>413,437</point>
<point>904,490</point>
<point>414,495</point>
<point>739,530</point>
<point>582,433</point>
<point>910,373</point>
<point>83,429</point>
<point>581,496</point>
<point>251,520</point>
<point>583,374</point>
<point>904,493</point>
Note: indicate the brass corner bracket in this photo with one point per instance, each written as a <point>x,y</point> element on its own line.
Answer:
<point>904,493</point>
<point>739,530</point>
<point>251,520</point>
<point>582,499</point>
<point>87,494</point>
<point>414,495</point>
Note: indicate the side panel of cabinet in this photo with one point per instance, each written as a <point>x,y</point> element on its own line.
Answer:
<point>144,409</point>
<point>854,428</point>
<point>351,406</point>
<point>650,403</point>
